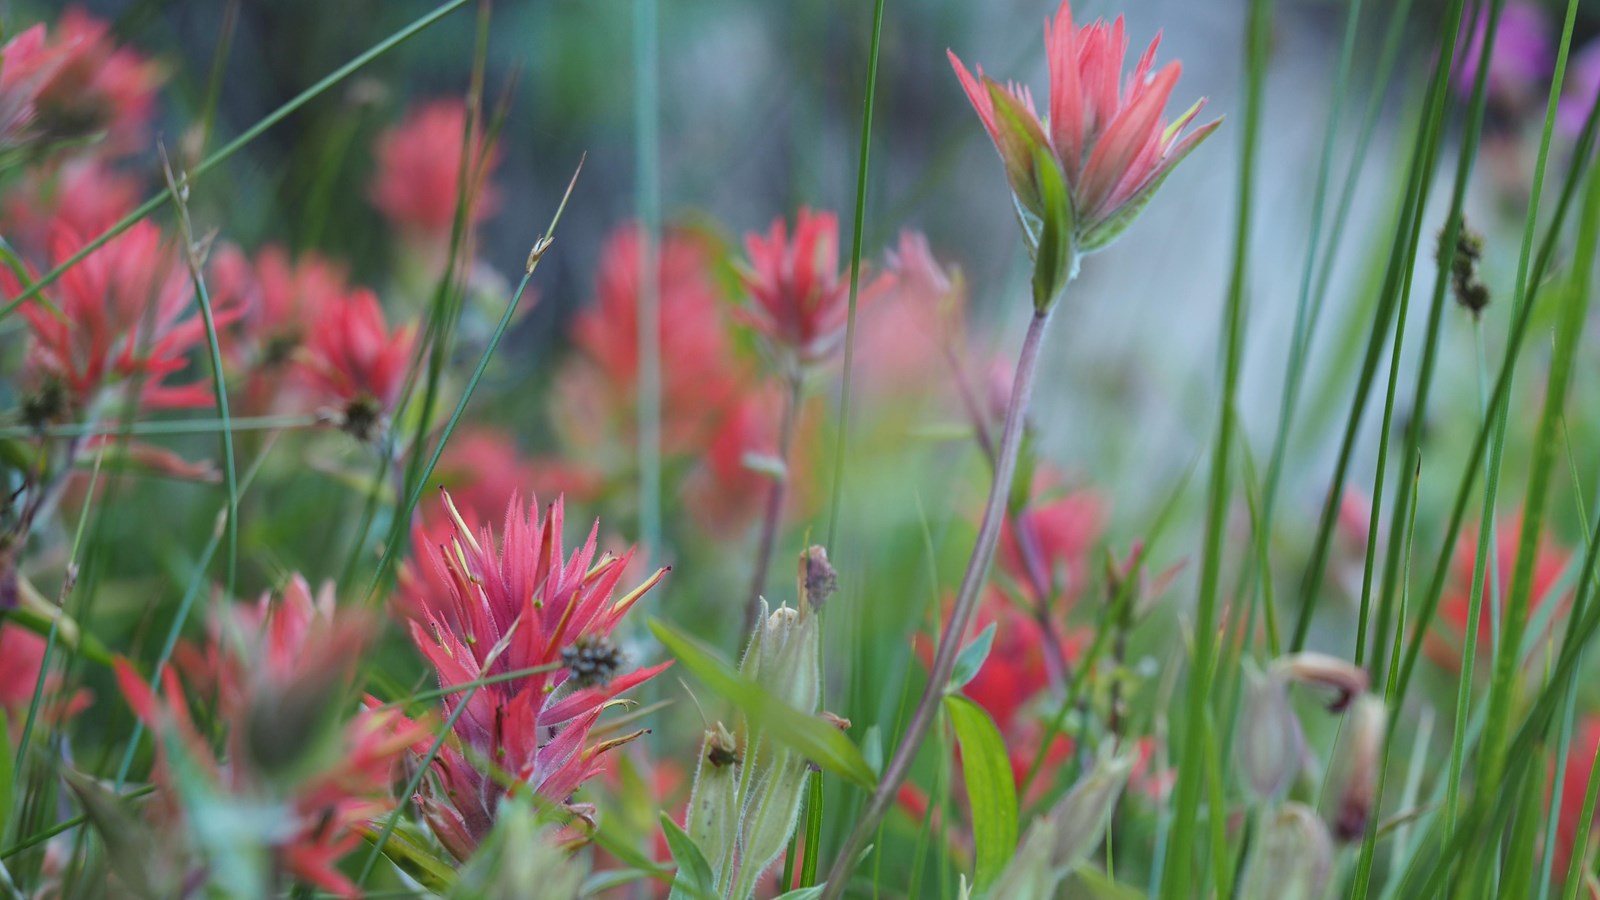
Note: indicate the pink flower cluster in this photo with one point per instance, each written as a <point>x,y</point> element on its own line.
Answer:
<point>519,609</point>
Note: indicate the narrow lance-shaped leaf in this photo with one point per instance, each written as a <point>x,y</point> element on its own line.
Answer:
<point>694,873</point>
<point>1053,259</point>
<point>817,740</point>
<point>972,658</point>
<point>991,788</point>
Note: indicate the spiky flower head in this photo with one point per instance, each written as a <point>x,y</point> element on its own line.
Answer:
<point>1103,140</point>
<point>517,606</point>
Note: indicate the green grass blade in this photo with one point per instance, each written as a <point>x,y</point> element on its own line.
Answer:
<point>1177,876</point>
<point>837,492</point>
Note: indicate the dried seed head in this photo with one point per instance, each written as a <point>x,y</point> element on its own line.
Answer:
<point>721,748</point>
<point>592,659</point>
<point>48,403</point>
<point>1463,259</point>
<point>818,579</point>
<point>363,419</point>
<point>1357,759</point>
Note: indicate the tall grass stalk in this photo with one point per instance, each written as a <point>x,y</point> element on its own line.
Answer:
<point>1177,875</point>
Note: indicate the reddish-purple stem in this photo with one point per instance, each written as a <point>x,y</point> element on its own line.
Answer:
<point>899,767</point>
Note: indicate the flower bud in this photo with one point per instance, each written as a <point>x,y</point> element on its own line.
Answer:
<point>1081,817</point>
<point>784,657</point>
<point>1270,741</point>
<point>1322,670</point>
<point>520,858</point>
<point>1292,858</point>
<point>1354,769</point>
<point>713,820</point>
<point>817,578</point>
<point>770,816</point>
<point>788,663</point>
<point>1029,873</point>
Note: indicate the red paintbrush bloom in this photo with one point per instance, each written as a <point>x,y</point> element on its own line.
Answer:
<point>699,370</point>
<point>21,662</point>
<point>799,298</point>
<point>1045,548</point>
<point>77,84</point>
<point>1107,137</point>
<point>419,171</point>
<point>725,492</point>
<point>355,362</point>
<point>284,298</point>
<point>274,671</point>
<point>1443,644</point>
<point>126,313</point>
<point>905,338</point>
<point>83,196</point>
<point>493,609</point>
<point>1013,686</point>
<point>1574,790</point>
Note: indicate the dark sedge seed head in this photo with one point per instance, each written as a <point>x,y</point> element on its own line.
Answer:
<point>592,659</point>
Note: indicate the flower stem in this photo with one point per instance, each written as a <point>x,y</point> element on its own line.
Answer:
<point>922,717</point>
<point>1055,659</point>
<point>774,514</point>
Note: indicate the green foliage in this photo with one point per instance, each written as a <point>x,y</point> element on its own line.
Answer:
<point>991,790</point>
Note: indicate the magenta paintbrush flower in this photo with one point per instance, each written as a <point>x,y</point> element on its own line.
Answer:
<point>799,296</point>
<point>1107,138</point>
<point>491,609</point>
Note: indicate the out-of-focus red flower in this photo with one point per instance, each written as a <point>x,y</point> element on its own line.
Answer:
<point>275,673</point>
<point>700,373</point>
<point>724,492</point>
<point>906,336</point>
<point>1047,545</point>
<point>1013,679</point>
<point>481,467</point>
<point>78,82</point>
<point>1443,644</point>
<point>283,298</point>
<point>419,171</point>
<point>1574,790</point>
<point>84,196</point>
<point>799,297</point>
<point>494,608</point>
<point>353,360</point>
<point>1106,134</point>
<point>21,662</point>
<point>126,312</point>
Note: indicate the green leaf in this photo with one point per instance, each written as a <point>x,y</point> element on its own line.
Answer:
<point>130,851</point>
<point>694,873</point>
<point>805,893</point>
<point>8,768</point>
<point>872,749</point>
<point>411,856</point>
<point>1053,258</point>
<point>971,659</point>
<point>991,788</point>
<point>813,738</point>
<point>1020,140</point>
<point>612,879</point>
<point>1094,884</point>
